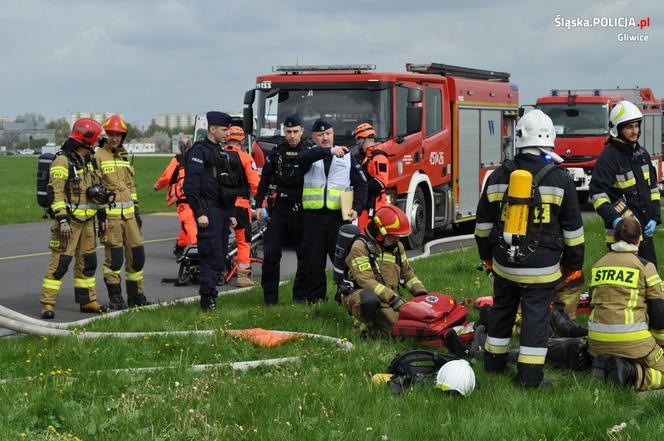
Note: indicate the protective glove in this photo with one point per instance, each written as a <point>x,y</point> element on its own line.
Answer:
<point>137,215</point>
<point>396,303</point>
<point>420,292</point>
<point>650,228</point>
<point>615,222</point>
<point>573,275</point>
<point>65,228</point>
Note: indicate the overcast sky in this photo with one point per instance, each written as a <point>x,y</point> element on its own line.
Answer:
<point>146,57</point>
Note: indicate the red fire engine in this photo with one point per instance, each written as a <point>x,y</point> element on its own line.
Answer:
<point>581,117</point>
<point>446,127</point>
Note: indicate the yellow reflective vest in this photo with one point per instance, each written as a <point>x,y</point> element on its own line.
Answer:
<point>118,176</point>
<point>320,190</point>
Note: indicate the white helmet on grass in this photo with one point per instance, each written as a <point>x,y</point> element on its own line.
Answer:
<point>456,375</point>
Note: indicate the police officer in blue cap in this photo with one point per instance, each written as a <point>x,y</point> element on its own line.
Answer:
<point>323,184</point>
<point>211,183</point>
<point>283,173</point>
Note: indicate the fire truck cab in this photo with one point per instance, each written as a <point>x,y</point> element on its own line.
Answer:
<point>446,128</point>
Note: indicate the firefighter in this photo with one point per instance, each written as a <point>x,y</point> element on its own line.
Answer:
<point>530,261</point>
<point>377,267</point>
<point>284,172</point>
<point>173,177</point>
<point>626,327</point>
<point>73,179</point>
<point>243,211</point>
<point>211,182</point>
<point>120,223</point>
<point>624,175</point>
<point>323,184</point>
<point>376,169</point>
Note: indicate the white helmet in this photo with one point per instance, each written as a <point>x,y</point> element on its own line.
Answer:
<point>623,112</point>
<point>456,375</point>
<point>535,129</point>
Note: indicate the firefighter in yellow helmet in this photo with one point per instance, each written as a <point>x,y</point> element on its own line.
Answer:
<point>76,190</point>
<point>529,230</point>
<point>626,327</point>
<point>120,222</point>
<point>377,264</point>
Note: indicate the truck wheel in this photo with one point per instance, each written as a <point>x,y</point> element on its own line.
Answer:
<point>418,221</point>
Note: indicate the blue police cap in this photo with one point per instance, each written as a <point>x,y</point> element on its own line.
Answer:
<point>293,120</point>
<point>320,125</point>
<point>215,118</point>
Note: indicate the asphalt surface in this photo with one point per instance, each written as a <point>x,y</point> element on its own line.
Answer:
<point>24,255</point>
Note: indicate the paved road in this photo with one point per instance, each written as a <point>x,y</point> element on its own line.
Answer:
<point>24,256</point>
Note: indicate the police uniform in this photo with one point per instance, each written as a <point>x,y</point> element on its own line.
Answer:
<point>70,177</point>
<point>624,172</point>
<point>555,231</point>
<point>378,274</point>
<point>627,318</point>
<point>376,168</point>
<point>123,234</point>
<point>323,184</point>
<point>211,183</point>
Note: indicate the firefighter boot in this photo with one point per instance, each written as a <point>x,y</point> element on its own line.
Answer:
<point>243,278</point>
<point>135,298</point>
<point>117,303</point>
<point>621,372</point>
<point>47,312</point>
<point>94,307</point>
<point>208,302</point>
<point>563,326</point>
<point>477,346</point>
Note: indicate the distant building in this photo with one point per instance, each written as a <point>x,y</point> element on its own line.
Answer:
<point>71,117</point>
<point>174,120</point>
<point>26,131</point>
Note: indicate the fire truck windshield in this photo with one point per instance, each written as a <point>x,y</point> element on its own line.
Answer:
<point>578,119</point>
<point>344,108</point>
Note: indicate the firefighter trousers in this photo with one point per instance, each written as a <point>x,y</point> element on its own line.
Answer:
<point>243,236</point>
<point>81,247</point>
<point>535,312</point>
<point>321,228</point>
<point>649,367</point>
<point>364,305</point>
<point>647,250</point>
<point>188,228</point>
<point>285,226</point>
<point>124,240</point>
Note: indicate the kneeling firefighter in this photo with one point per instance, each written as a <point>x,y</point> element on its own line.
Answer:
<point>530,233</point>
<point>377,264</point>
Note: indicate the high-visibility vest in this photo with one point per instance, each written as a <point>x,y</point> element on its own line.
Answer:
<point>325,191</point>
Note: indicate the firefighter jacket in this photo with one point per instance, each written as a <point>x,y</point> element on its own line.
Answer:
<point>381,270</point>
<point>376,166</point>
<point>283,171</point>
<point>627,299</point>
<point>328,178</point>
<point>625,172</point>
<point>249,177</point>
<point>173,176</point>
<point>70,176</point>
<point>554,237</point>
<point>212,177</point>
<point>118,176</point>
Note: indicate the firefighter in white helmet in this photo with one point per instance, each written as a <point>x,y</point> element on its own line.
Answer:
<point>624,176</point>
<point>530,233</point>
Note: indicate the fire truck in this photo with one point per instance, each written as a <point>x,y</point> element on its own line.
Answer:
<point>446,128</point>
<point>580,118</point>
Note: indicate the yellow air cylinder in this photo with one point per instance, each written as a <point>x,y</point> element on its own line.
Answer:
<point>516,222</point>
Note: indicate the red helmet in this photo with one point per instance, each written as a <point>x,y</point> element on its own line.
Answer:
<point>235,133</point>
<point>364,130</point>
<point>86,131</point>
<point>115,123</point>
<point>390,220</point>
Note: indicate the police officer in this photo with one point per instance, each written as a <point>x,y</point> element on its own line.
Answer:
<point>624,174</point>
<point>324,183</point>
<point>72,176</point>
<point>527,267</point>
<point>212,179</point>
<point>626,327</point>
<point>377,267</point>
<point>121,223</point>
<point>283,173</point>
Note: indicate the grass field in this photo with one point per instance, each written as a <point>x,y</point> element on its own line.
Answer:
<point>327,395</point>
<point>18,181</point>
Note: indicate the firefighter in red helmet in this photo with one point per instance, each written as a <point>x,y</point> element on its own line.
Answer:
<point>377,265</point>
<point>121,222</point>
<point>75,186</point>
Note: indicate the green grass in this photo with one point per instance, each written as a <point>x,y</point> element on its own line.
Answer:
<point>18,182</point>
<point>328,395</point>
